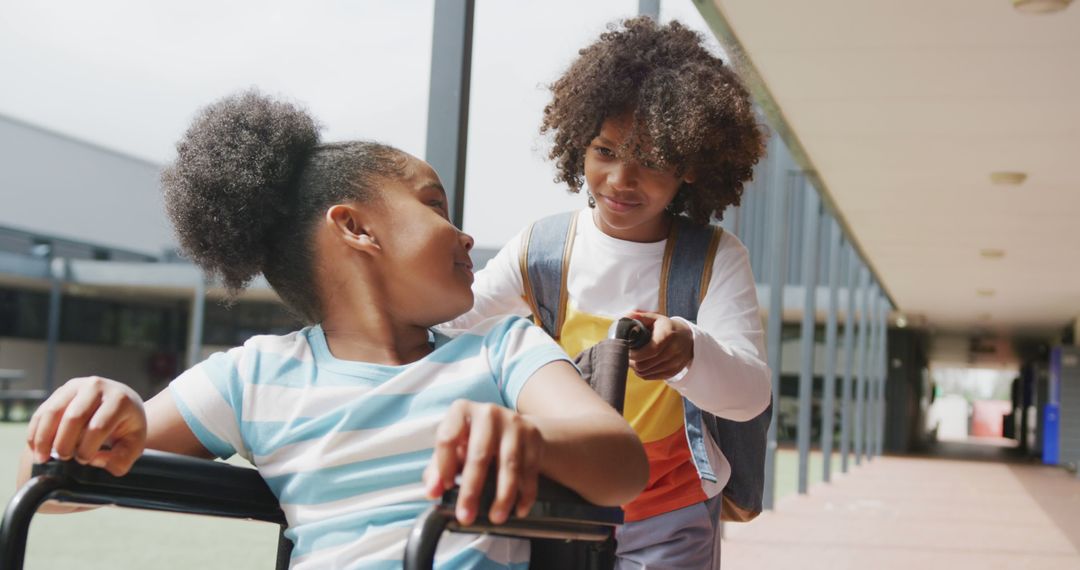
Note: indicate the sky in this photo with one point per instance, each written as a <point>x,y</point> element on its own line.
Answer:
<point>130,75</point>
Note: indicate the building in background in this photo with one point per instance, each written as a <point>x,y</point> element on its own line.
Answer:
<point>88,227</point>
<point>88,222</point>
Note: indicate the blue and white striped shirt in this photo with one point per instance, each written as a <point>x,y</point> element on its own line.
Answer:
<point>343,444</point>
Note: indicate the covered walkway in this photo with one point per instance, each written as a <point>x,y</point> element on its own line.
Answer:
<point>922,513</point>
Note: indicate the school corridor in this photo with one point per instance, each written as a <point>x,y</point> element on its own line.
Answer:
<point>920,513</point>
<point>912,232</point>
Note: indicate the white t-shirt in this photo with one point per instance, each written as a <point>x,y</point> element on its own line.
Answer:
<point>728,377</point>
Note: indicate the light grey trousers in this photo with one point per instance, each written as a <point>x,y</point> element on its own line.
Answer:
<point>685,539</point>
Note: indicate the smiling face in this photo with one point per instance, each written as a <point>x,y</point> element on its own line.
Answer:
<point>631,197</point>
<point>424,258</point>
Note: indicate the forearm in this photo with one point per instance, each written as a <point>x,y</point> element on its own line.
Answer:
<point>729,375</point>
<point>725,381</point>
<point>26,462</point>
<point>601,459</point>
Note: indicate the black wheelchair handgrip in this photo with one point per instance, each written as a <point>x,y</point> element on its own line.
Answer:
<point>633,331</point>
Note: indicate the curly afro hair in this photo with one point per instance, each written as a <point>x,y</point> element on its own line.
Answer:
<point>689,107</point>
<point>249,183</point>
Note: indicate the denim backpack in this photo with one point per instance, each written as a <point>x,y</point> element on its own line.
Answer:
<point>687,266</point>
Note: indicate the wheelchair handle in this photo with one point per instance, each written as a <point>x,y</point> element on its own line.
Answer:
<point>633,331</point>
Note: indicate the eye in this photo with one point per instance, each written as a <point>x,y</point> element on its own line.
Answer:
<point>604,151</point>
<point>440,205</point>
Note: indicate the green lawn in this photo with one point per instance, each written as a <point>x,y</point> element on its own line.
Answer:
<point>111,538</point>
<point>122,538</point>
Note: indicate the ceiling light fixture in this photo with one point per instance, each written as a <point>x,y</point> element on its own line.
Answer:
<point>1040,6</point>
<point>992,253</point>
<point>1008,178</point>
<point>901,322</point>
<point>986,292</point>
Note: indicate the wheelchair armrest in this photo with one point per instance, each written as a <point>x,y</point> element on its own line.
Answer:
<point>167,482</point>
<point>157,481</point>
<point>558,513</point>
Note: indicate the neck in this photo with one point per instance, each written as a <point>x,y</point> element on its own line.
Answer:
<point>652,231</point>
<point>360,329</point>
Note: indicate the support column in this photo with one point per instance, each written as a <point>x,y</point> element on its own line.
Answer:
<point>777,261</point>
<point>650,8</point>
<point>57,277</point>
<point>828,393</point>
<point>860,370</point>
<point>871,375</point>
<point>810,247</point>
<point>883,375</point>
<point>195,325</point>
<point>448,99</point>
<point>849,357</point>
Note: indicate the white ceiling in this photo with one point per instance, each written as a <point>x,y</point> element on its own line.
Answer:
<point>905,107</point>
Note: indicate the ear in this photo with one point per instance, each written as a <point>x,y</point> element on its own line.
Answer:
<point>347,222</point>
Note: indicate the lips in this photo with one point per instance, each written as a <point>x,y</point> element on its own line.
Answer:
<point>618,205</point>
<point>466,267</point>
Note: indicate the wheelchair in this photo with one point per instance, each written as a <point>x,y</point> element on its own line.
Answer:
<point>565,530</point>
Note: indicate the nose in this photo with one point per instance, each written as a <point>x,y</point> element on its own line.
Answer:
<point>466,240</point>
<point>623,176</point>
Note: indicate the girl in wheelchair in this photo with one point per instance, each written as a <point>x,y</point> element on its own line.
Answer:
<point>359,420</point>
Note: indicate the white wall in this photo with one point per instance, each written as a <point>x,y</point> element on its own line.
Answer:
<point>54,185</point>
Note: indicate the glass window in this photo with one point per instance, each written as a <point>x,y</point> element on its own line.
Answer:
<point>231,325</point>
<point>23,314</point>
<point>87,320</point>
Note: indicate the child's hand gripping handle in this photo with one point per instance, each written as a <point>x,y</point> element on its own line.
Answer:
<point>472,439</point>
<point>95,421</point>
<point>669,351</point>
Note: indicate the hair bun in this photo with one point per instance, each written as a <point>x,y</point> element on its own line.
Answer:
<point>231,181</point>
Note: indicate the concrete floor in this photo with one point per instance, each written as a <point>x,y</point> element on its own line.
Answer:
<point>980,512</point>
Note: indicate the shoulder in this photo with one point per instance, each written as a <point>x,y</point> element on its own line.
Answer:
<point>730,245</point>
<point>294,345</point>
<point>719,246</point>
<point>499,339</point>
<point>553,227</point>
<point>730,270</point>
<point>492,328</point>
<point>262,353</point>
<point>724,256</point>
<point>272,343</point>
<point>563,217</point>
<point>503,334</point>
<point>535,236</point>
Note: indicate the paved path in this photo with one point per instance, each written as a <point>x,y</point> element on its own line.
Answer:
<point>919,513</point>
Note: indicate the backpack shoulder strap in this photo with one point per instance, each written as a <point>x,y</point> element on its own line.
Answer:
<point>687,267</point>
<point>543,261</point>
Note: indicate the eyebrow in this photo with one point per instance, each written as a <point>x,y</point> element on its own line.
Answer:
<point>434,185</point>
<point>604,140</point>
